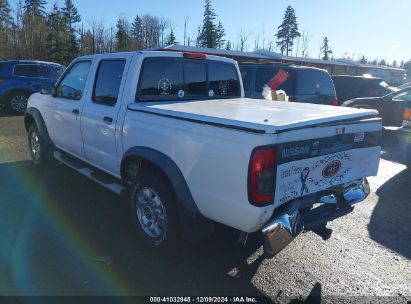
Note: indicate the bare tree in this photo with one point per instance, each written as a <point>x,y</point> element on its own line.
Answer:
<point>185,31</point>
<point>162,26</point>
<point>242,37</point>
<point>305,44</point>
<point>257,42</point>
<point>297,46</point>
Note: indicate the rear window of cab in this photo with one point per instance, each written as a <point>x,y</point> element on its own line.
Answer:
<point>185,79</point>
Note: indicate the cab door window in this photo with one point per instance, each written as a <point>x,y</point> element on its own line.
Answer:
<point>74,81</point>
<point>108,81</point>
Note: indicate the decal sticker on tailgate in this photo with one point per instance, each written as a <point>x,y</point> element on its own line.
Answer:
<point>311,166</point>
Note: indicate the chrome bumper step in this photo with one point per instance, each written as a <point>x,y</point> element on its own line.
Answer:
<point>296,218</point>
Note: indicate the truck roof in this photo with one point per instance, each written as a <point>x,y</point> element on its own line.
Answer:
<point>158,54</point>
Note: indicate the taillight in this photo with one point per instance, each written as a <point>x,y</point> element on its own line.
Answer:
<point>406,116</point>
<point>195,55</point>
<point>335,101</point>
<point>1,80</point>
<point>261,177</point>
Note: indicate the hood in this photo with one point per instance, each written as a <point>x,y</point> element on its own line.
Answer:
<point>258,115</point>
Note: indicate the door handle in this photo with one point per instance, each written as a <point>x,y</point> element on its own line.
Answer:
<point>76,111</point>
<point>108,120</point>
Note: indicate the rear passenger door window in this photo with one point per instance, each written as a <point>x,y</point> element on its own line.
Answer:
<point>108,81</point>
<point>26,70</point>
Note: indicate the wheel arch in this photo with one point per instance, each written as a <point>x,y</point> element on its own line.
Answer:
<point>167,166</point>
<point>34,115</point>
<point>194,225</point>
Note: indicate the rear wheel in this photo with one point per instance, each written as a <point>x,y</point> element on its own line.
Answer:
<point>153,212</point>
<point>17,102</point>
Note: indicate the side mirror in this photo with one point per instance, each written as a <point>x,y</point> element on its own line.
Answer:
<point>48,88</point>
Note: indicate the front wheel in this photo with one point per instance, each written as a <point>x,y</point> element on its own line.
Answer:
<point>38,149</point>
<point>153,213</point>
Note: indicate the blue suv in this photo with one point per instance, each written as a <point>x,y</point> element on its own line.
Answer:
<point>21,78</point>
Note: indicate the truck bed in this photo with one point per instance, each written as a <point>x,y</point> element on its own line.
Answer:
<point>254,115</point>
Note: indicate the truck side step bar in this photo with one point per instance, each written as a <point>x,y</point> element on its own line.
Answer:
<point>102,178</point>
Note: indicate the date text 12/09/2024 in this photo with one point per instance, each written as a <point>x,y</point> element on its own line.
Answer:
<point>209,299</point>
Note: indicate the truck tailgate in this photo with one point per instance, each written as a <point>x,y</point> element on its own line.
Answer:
<point>309,166</point>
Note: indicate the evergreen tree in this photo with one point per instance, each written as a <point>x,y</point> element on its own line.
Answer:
<point>35,7</point>
<point>395,64</point>
<point>71,14</point>
<point>121,35</point>
<point>382,62</point>
<point>171,38</point>
<point>137,32</point>
<point>58,44</point>
<point>71,17</point>
<point>220,35</point>
<point>287,31</point>
<point>402,64</point>
<point>208,35</point>
<point>228,45</point>
<point>325,49</point>
<point>34,29</point>
<point>6,23</point>
<point>407,67</point>
<point>363,60</point>
<point>5,14</point>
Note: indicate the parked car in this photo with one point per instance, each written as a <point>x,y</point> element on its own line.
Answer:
<point>304,84</point>
<point>350,87</point>
<point>404,136</point>
<point>21,78</point>
<point>391,107</point>
<point>172,131</point>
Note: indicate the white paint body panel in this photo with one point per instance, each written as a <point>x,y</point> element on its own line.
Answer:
<point>213,159</point>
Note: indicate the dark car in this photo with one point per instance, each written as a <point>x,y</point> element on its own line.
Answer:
<point>304,84</point>
<point>350,87</point>
<point>21,78</point>
<point>391,106</point>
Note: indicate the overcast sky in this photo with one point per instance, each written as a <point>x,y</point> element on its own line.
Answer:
<point>377,29</point>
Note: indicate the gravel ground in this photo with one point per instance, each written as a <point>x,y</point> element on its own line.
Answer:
<point>61,234</point>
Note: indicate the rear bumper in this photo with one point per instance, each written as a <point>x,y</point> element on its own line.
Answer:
<point>299,215</point>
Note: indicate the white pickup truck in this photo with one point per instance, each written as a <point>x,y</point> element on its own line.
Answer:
<point>173,132</point>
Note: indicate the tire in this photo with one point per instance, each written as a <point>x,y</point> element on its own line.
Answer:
<point>153,212</point>
<point>39,151</point>
<point>17,102</point>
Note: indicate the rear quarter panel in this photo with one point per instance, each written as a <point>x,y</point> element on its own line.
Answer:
<point>213,160</point>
